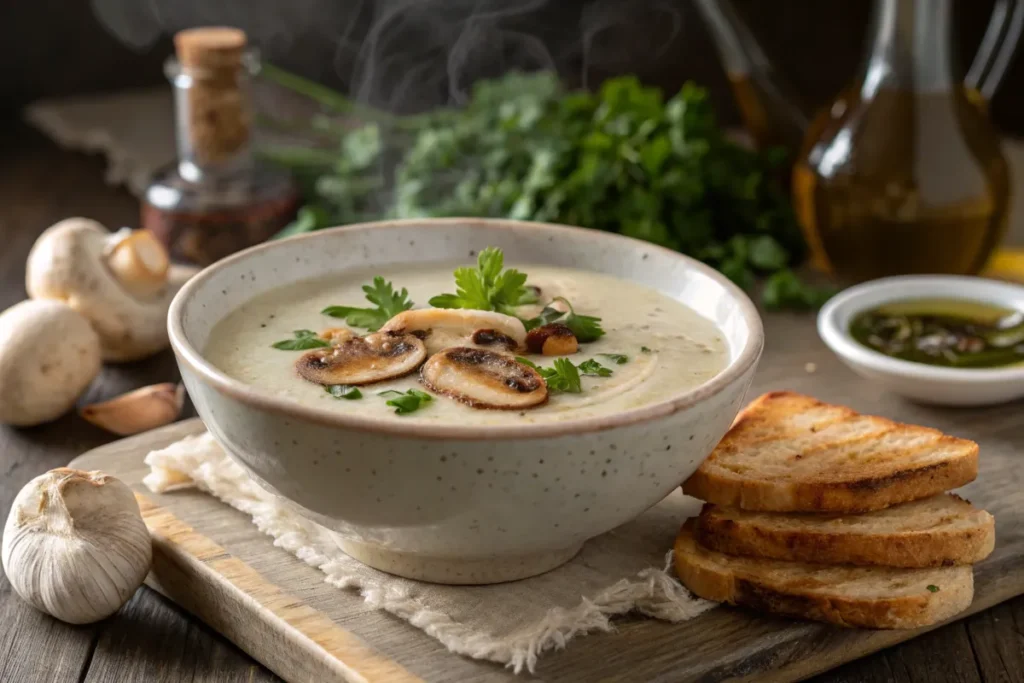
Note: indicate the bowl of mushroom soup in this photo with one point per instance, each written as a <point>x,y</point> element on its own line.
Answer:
<point>463,400</point>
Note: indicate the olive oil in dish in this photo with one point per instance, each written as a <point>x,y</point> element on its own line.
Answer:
<point>651,347</point>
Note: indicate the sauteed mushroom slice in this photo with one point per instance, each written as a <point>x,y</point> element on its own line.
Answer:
<point>484,379</point>
<point>441,328</point>
<point>363,360</point>
<point>553,339</point>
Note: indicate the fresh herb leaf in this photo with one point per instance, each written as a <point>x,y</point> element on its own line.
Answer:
<point>389,304</point>
<point>586,328</point>
<point>644,349</point>
<point>343,391</point>
<point>488,287</point>
<point>407,402</point>
<point>933,588</point>
<point>594,369</point>
<point>563,376</point>
<point>617,358</point>
<point>304,340</point>
<point>785,290</point>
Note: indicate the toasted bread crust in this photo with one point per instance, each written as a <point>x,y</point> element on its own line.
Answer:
<point>942,546</point>
<point>713,577</point>
<point>877,484</point>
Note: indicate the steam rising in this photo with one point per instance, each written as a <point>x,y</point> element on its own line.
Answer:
<point>409,55</point>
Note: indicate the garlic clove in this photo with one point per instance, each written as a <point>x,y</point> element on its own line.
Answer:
<point>139,262</point>
<point>138,411</point>
<point>75,545</point>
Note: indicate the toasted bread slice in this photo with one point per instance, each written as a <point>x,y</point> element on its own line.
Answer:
<point>867,597</point>
<point>791,453</point>
<point>940,531</point>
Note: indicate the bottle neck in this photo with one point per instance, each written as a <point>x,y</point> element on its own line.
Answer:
<point>911,47</point>
<point>212,120</point>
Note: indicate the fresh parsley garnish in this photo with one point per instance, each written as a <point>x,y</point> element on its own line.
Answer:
<point>564,376</point>
<point>343,391</point>
<point>304,339</point>
<point>594,369</point>
<point>586,328</point>
<point>932,588</point>
<point>389,304</point>
<point>617,358</point>
<point>407,402</point>
<point>488,287</point>
<point>644,349</point>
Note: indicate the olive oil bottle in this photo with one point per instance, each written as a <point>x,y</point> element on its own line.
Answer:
<point>903,173</point>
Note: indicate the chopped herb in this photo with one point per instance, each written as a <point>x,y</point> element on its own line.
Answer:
<point>644,349</point>
<point>594,369</point>
<point>488,287</point>
<point>617,358</point>
<point>343,391</point>
<point>564,376</point>
<point>389,304</point>
<point>933,588</point>
<point>304,339</point>
<point>407,402</point>
<point>586,328</point>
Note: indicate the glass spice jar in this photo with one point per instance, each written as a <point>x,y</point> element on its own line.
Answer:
<point>216,198</point>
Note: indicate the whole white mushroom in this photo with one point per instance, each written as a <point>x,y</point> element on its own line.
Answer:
<point>49,354</point>
<point>121,282</point>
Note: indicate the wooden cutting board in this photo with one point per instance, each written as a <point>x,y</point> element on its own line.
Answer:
<point>212,561</point>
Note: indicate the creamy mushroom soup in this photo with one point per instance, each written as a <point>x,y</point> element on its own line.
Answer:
<point>455,365</point>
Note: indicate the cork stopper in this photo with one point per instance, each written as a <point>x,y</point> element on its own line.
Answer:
<point>217,116</point>
<point>210,47</point>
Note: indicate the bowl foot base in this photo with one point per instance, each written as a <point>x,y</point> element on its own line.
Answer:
<point>457,571</point>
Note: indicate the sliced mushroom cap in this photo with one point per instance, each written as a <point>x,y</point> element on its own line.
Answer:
<point>484,379</point>
<point>441,328</point>
<point>553,339</point>
<point>363,360</point>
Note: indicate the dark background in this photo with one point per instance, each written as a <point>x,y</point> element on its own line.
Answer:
<point>60,47</point>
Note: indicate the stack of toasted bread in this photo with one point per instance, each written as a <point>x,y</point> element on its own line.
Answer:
<point>813,510</point>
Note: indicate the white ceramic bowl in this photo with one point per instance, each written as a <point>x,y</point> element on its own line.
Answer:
<point>461,503</point>
<point>917,381</point>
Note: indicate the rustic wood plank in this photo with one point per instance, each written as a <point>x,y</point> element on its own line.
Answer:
<point>154,640</point>
<point>943,656</point>
<point>997,638</point>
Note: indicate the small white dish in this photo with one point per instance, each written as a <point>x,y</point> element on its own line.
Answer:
<point>917,381</point>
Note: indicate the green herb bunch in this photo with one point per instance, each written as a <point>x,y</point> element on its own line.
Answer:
<point>623,159</point>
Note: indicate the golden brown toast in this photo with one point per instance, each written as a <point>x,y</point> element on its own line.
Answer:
<point>940,531</point>
<point>791,453</point>
<point>867,597</point>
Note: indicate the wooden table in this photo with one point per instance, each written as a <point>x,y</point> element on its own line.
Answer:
<point>151,639</point>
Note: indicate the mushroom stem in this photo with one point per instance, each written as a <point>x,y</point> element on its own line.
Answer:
<point>139,262</point>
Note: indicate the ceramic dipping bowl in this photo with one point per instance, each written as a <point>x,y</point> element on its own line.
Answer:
<point>459,503</point>
<point>917,381</point>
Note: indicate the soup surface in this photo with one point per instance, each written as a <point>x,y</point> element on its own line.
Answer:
<point>667,347</point>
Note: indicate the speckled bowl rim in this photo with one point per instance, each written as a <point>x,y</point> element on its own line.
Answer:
<point>256,398</point>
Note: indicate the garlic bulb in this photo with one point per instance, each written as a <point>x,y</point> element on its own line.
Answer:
<point>75,545</point>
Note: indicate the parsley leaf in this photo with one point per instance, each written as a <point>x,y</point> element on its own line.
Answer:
<point>594,369</point>
<point>617,358</point>
<point>562,377</point>
<point>784,289</point>
<point>586,328</point>
<point>407,402</point>
<point>933,588</point>
<point>343,391</point>
<point>389,304</point>
<point>645,349</point>
<point>487,287</point>
<point>304,340</point>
